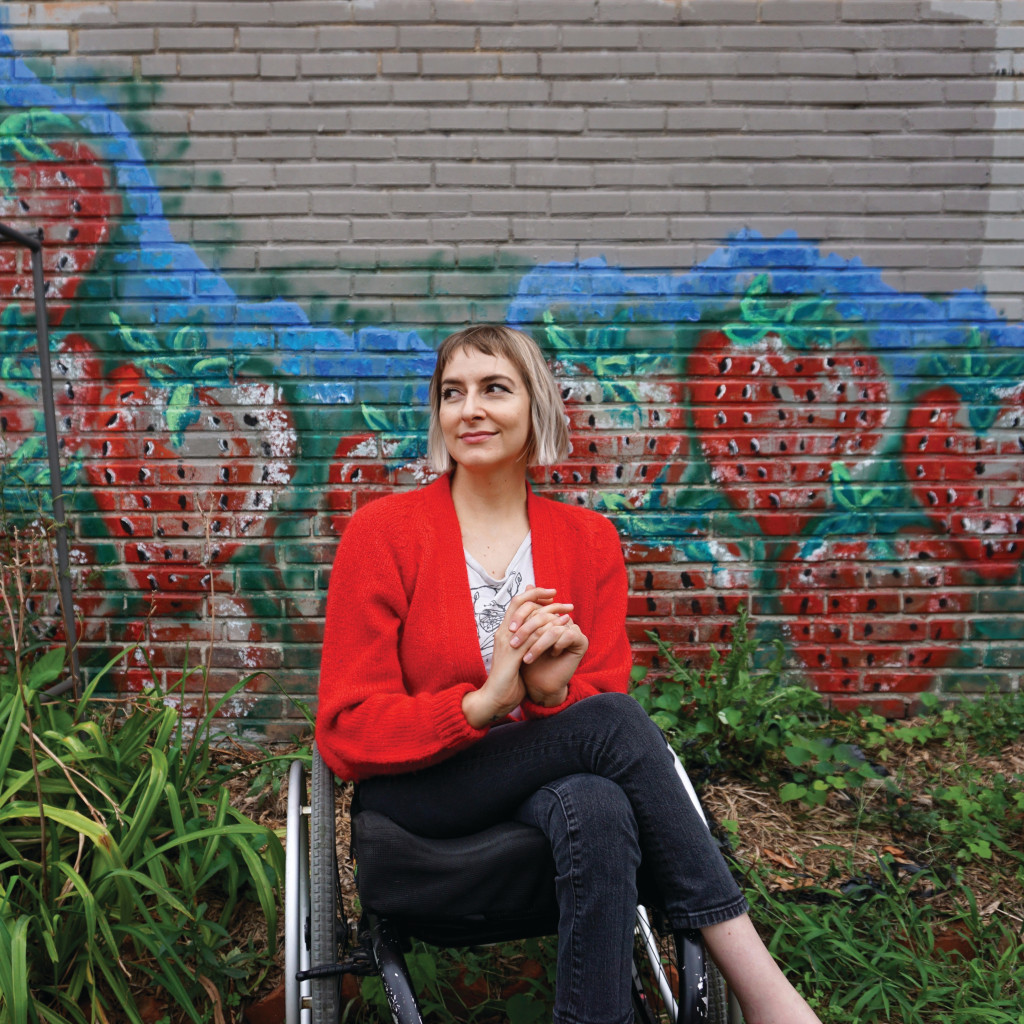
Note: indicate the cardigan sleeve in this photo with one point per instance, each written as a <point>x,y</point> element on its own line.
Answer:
<point>606,665</point>
<point>367,721</point>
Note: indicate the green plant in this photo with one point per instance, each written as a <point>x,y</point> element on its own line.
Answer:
<point>123,863</point>
<point>730,716</point>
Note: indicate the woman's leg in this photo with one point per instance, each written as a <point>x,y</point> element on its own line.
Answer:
<point>764,993</point>
<point>608,735</point>
<point>593,835</point>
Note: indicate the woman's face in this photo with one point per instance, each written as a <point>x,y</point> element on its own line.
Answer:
<point>485,410</point>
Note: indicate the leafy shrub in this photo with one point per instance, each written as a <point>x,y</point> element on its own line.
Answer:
<point>124,862</point>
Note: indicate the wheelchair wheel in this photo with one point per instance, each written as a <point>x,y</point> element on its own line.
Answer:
<point>671,985</point>
<point>296,899</point>
<point>325,897</point>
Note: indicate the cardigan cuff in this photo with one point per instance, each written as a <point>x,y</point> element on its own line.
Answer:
<point>533,710</point>
<point>452,726</point>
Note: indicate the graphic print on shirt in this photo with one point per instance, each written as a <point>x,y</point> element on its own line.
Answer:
<point>490,601</point>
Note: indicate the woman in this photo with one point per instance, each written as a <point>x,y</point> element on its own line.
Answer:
<point>475,666</point>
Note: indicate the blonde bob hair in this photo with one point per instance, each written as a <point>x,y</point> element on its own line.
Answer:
<point>549,436</point>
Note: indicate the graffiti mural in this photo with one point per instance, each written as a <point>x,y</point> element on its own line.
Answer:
<point>775,425</point>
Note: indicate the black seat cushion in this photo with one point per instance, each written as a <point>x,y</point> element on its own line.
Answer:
<point>486,887</point>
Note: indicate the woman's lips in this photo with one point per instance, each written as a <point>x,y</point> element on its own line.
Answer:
<point>476,438</point>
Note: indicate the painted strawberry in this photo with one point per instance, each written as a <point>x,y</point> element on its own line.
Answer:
<point>969,478</point>
<point>864,618</point>
<point>774,422</point>
<point>52,180</point>
<point>185,464</point>
<point>370,463</point>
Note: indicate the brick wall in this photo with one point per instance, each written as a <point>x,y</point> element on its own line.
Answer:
<point>773,248</point>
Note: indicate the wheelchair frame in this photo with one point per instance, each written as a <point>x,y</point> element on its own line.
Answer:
<point>315,930</point>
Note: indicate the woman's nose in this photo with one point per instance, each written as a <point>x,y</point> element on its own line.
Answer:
<point>470,406</point>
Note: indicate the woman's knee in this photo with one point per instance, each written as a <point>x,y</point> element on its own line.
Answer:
<point>594,812</point>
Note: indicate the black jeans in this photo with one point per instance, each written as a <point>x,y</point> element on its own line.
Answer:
<point>599,780</point>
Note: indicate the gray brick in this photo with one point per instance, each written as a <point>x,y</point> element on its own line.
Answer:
<point>558,175</point>
<point>272,92</point>
<point>391,11</point>
<point>468,119</point>
<point>387,119</point>
<point>553,11</point>
<point>274,147</point>
<point>420,91</point>
<point>632,11</point>
<point>516,37</point>
<point>95,69</point>
<point>632,176</point>
<point>600,37</point>
<point>33,40</point>
<point>337,64</point>
<point>554,119</point>
<point>399,64</point>
<point>357,37</point>
<point>473,175</point>
<point>218,65</point>
<point>628,119</point>
<point>436,37</point>
<point>114,40</point>
<point>449,64</point>
<point>228,12</point>
<point>308,12</point>
<point>589,201</point>
<point>500,90</point>
<point>279,65</point>
<point>276,38</point>
<point>384,175</point>
<point>470,229</point>
<point>510,201</point>
<point>433,147</point>
<point>800,10</point>
<point>365,147</point>
<point>348,92</point>
<point>66,14</point>
<point>519,64</point>
<point>226,121</point>
<point>269,203</point>
<point>584,147</point>
<point>431,202</point>
<point>391,229</point>
<point>307,119</point>
<point>516,147</point>
<point>195,38</point>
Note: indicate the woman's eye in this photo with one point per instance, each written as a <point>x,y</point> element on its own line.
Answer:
<point>497,387</point>
<point>447,394</point>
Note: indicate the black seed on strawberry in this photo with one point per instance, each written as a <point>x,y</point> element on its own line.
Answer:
<point>695,606</point>
<point>949,442</point>
<point>734,448</point>
<point>776,393</point>
<point>754,445</point>
<point>556,477</point>
<point>643,472</point>
<point>762,473</point>
<point>126,525</point>
<point>782,415</point>
<point>869,629</point>
<point>783,447</point>
<point>108,476</point>
<point>141,552</point>
<point>576,477</point>
<point>224,474</point>
<point>725,365</point>
<point>619,471</point>
<point>741,470</point>
<point>112,420</point>
<point>250,420</point>
<point>686,579</point>
<point>774,499</point>
<point>747,417</point>
<point>720,391</point>
<point>720,417</point>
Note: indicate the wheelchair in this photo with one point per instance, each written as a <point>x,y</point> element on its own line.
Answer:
<point>461,892</point>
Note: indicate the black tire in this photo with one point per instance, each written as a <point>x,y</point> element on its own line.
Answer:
<point>325,896</point>
<point>658,969</point>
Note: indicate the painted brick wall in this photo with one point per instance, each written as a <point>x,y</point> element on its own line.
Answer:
<point>774,249</point>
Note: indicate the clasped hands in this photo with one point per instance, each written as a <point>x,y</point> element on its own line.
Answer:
<point>537,648</point>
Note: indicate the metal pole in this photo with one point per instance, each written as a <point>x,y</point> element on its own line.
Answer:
<point>35,245</point>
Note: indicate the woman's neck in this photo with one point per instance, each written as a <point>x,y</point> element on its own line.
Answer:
<point>491,509</point>
<point>479,495</point>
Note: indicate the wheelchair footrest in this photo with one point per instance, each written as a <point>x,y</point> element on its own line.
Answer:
<point>359,962</point>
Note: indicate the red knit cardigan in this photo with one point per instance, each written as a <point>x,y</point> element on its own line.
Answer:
<point>400,641</point>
